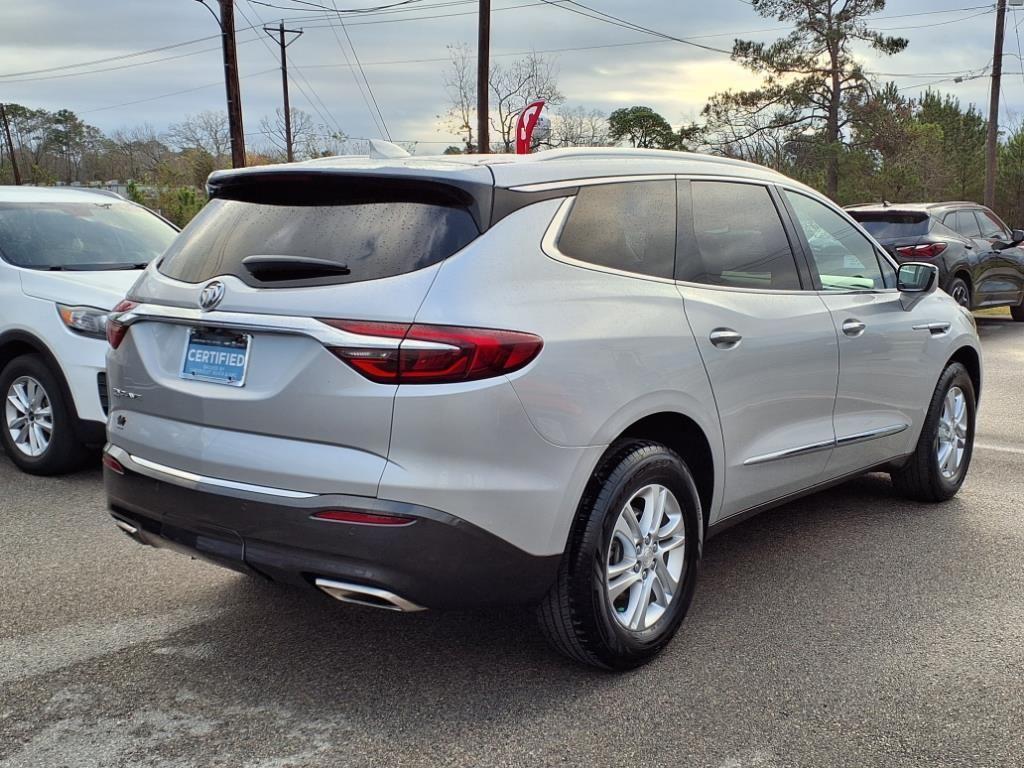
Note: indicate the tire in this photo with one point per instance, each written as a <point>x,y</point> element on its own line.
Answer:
<point>961,291</point>
<point>62,452</point>
<point>922,478</point>
<point>1017,313</point>
<point>578,615</point>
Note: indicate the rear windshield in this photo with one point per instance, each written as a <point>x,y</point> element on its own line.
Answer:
<point>889,226</point>
<point>81,236</point>
<point>370,240</point>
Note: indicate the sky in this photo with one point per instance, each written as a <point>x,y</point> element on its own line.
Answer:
<point>402,51</point>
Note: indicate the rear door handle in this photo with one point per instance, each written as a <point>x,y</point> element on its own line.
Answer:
<point>725,338</point>
<point>853,327</point>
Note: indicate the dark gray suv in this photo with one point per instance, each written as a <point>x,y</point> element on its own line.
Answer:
<point>980,261</point>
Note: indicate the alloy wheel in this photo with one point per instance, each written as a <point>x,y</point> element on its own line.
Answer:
<point>962,295</point>
<point>29,416</point>
<point>646,557</point>
<point>951,440</point>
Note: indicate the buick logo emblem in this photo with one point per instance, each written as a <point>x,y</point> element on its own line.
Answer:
<point>211,295</point>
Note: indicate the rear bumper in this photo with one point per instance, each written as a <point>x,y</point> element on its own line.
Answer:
<point>437,561</point>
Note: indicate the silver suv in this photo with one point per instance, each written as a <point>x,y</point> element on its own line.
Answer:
<point>550,379</point>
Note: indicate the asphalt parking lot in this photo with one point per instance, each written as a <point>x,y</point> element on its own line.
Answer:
<point>846,629</point>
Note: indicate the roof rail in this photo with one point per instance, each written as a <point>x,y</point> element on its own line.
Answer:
<point>579,153</point>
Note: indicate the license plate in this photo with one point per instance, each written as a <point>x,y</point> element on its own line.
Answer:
<point>216,356</point>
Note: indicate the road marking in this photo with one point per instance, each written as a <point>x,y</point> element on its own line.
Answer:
<point>1002,448</point>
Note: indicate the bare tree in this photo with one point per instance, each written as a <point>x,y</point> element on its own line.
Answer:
<point>512,87</point>
<point>515,85</point>
<point>137,151</point>
<point>460,84</point>
<point>208,131</point>
<point>305,134</point>
<point>579,127</point>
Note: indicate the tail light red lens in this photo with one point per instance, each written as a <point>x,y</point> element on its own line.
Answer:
<point>923,251</point>
<point>435,354</point>
<point>361,518</point>
<point>117,330</point>
<point>112,464</point>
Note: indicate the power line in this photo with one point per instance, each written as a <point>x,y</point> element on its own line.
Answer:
<point>362,73</point>
<point>169,95</point>
<point>295,66</point>
<point>112,58</point>
<point>336,10</point>
<point>122,66</point>
<point>355,78</point>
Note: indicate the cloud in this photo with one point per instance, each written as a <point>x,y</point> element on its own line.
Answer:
<point>673,78</point>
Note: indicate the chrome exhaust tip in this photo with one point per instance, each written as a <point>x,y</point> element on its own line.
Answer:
<point>128,528</point>
<point>372,597</point>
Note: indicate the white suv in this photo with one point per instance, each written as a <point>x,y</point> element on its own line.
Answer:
<point>549,379</point>
<point>67,256</point>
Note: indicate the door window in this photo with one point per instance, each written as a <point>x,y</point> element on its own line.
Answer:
<point>991,228</point>
<point>846,260</point>
<point>737,238</point>
<point>966,224</point>
<point>630,226</point>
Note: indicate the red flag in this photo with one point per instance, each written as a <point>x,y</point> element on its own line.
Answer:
<point>525,124</point>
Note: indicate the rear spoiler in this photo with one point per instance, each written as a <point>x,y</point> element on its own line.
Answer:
<point>279,185</point>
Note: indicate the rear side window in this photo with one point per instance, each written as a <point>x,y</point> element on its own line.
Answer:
<point>630,226</point>
<point>737,239</point>
<point>371,239</point>
<point>965,223</point>
<point>892,226</point>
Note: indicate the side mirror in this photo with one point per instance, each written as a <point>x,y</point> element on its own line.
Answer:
<point>1017,236</point>
<point>914,277</point>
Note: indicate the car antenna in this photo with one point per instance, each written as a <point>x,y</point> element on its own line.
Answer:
<point>885,203</point>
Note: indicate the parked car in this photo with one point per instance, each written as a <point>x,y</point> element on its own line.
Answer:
<point>67,256</point>
<point>980,259</point>
<point>457,382</point>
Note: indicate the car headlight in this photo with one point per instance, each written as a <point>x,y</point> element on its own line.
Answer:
<point>88,321</point>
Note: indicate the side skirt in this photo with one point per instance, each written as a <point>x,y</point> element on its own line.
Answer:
<point>716,528</point>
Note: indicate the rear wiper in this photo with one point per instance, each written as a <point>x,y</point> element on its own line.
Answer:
<point>270,267</point>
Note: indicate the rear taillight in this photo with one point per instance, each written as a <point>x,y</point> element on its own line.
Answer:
<point>923,251</point>
<point>112,464</point>
<point>434,354</point>
<point>361,518</point>
<point>116,329</point>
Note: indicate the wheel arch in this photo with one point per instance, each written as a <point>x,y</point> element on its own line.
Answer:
<point>686,437</point>
<point>964,273</point>
<point>14,344</point>
<point>969,358</point>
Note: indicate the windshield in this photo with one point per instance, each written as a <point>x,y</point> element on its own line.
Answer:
<point>889,226</point>
<point>81,236</point>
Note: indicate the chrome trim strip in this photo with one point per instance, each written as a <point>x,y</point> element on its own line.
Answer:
<point>548,186</point>
<point>860,437</point>
<point>191,479</point>
<point>550,247</point>
<point>249,321</point>
<point>790,453</point>
<point>349,593</point>
<point>872,434</point>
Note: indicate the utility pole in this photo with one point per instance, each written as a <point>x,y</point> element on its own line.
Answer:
<point>282,44</point>
<point>10,144</point>
<point>483,68</point>
<point>992,142</point>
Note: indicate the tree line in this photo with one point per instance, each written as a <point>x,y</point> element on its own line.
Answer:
<point>816,115</point>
